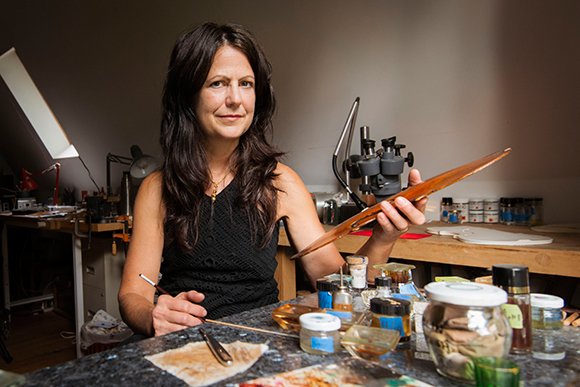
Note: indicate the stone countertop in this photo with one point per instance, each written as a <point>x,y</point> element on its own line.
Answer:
<point>126,366</point>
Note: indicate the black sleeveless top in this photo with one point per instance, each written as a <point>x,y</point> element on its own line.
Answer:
<point>230,270</point>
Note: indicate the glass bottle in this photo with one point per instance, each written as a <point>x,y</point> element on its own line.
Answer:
<point>514,279</point>
<point>357,267</point>
<point>446,206</point>
<point>389,313</point>
<point>382,289</point>
<point>341,298</point>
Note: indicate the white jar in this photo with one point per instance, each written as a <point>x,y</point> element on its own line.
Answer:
<point>319,333</point>
<point>490,216</point>
<point>491,204</point>
<point>475,216</point>
<point>462,204</point>
<point>475,205</point>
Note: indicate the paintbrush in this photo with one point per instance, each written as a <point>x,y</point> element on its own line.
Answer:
<point>207,320</point>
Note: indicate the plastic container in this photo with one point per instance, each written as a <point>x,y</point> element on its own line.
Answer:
<point>475,216</point>
<point>475,205</point>
<point>491,217</point>
<point>491,204</point>
<point>464,320</point>
<point>319,333</point>
<point>389,313</point>
<point>547,311</point>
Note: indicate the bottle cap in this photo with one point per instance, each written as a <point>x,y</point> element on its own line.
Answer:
<point>447,201</point>
<point>320,322</point>
<point>546,301</point>
<point>466,294</point>
<point>390,306</point>
<point>383,281</point>
<point>514,279</point>
<point>460,200</point>
<point>326,285</point>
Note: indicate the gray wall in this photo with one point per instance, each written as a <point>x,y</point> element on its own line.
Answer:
<point>453,80</point>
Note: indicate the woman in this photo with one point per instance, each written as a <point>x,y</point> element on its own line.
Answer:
<point>212,210</point>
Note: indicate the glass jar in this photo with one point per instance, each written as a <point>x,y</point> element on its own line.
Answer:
<point>464,320</point>
<point>389,313</point>
<point>446,206</point>
<point>515,280</point>
<point>319,333</point>
<point>547,311</point>
<point>462,205</point>
<point>382,289</point>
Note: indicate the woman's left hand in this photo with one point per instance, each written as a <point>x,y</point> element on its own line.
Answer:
<point>391,223</point>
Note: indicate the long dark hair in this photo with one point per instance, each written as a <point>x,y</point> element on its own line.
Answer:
<point>186,173</point>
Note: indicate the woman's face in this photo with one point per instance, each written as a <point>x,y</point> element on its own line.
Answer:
<point>225,104</point>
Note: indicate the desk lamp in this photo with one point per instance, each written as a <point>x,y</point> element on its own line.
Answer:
<point>140,165</point>
<point>28,184</point>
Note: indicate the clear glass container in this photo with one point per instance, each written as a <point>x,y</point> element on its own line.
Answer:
<point>319,333</point>
<point>287,316</point>
<point>446,206</point>
<point>547,311</point>
<point>464,320</point>
<point>368,343</point>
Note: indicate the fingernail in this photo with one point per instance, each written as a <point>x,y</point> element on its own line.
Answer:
<point>401,201</point>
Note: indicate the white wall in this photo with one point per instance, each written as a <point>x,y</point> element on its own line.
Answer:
<point>453,80</point>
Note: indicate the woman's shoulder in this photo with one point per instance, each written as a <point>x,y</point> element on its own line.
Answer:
<point>286,177</point>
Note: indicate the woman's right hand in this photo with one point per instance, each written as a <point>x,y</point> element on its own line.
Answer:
<point>176,313</point>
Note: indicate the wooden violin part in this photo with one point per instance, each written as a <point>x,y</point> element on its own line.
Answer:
<point>412,194</point>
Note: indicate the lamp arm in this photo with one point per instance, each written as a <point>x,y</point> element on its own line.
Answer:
<point>51,168</point>
<point>115,159</point>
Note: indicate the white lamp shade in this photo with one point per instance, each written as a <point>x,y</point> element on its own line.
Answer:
<point>35,107</point>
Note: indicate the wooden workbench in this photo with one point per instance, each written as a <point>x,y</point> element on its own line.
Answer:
<point>562,257</point>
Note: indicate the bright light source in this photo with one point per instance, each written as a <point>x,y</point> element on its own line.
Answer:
<point>35,107</point>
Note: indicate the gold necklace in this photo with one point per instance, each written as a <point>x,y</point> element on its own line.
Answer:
<point>216,185</point>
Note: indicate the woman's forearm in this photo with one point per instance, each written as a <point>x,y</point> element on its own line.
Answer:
<point>136,312</point>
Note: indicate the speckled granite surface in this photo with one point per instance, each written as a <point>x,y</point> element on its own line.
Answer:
<point>126,366</point>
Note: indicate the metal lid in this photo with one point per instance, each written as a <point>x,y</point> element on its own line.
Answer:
<point>546,301</point>
<point>390,306</point>
<point>320,322</point>
<point>514,279</point>
<point>383,281</point>
<point>466,294</point>
<point>326,285</point>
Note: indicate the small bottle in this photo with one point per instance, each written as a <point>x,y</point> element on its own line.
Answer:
<point>514,279</point>
<point>520,212</point>
<point>319,333</point>
<point>454,216</point>
<point>325,288</point>
<point>509,212</point>
<point>383,286</point>
<point>446,206</point>
<point>357,267</point>
<point>382,289</point>
<point>388,313</point>
<point>537,218</point>
<point>341,298</point>
<point>547,311</point>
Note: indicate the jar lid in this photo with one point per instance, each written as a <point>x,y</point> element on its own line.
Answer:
<point>466,293</point>
<point>546,301</point>
<point>383,281</point>
<point>390,306</point>
<point>320,322</point>
<point>447,200</point>
<point>357,260</point>
<point>460,200</point>
<point>326,285</point>
<point>514,279</point>
<point>491,200</point>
